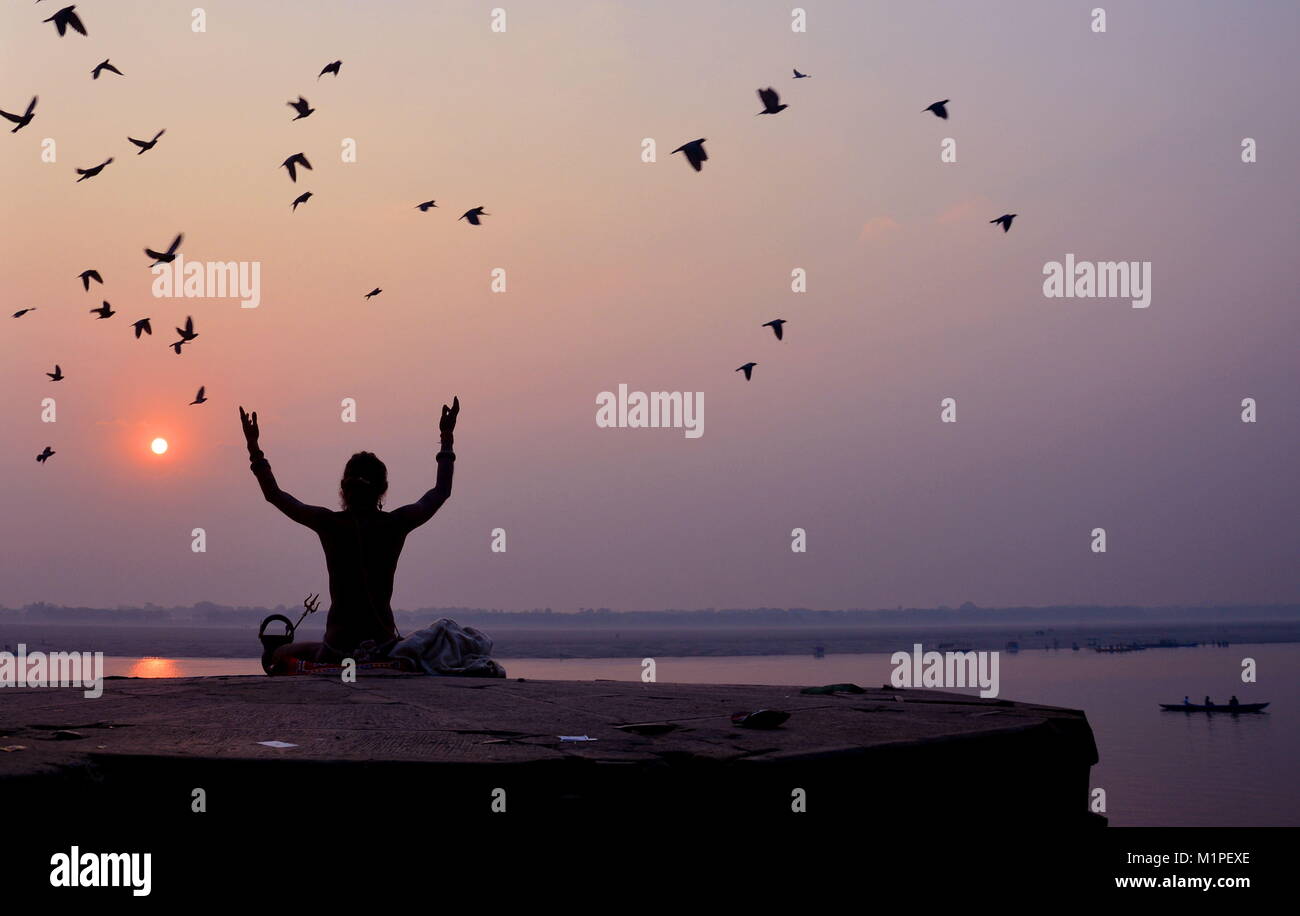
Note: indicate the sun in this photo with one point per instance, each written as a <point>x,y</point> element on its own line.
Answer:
<point>158,445</point>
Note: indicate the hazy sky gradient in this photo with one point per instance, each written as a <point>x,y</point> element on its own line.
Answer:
<point>1073,413</point>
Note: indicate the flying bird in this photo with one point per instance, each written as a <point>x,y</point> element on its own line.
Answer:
<point>187,332</point>
<point>771,101</point>
<point>56,375</point>
<point>104,311</point>
<point>1005,219</point>
<point>165,257</point>
<point>142,327</point>
<point>146,145</point>
<point>88,275</point>
<point>301,107</point>
<point>93,170</point>
<point>199,398</point>
<point>374,292</point>
<point>94,74</point>
<point>23,119</point>
<point>301,199</point>
<point>331,68</point>
<point>66,17</point>
<point>44,456</point>
<point>424,207</point>
<point>800,76</point>
<point>21,312</point>
<point>473,216</point>
<point>776,325</point>
<point>938,109</point>
<point>295,159</point>
<point>694,152</point>
<point>748,369</point>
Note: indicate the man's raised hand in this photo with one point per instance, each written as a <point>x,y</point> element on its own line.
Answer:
<point>249,422</point>
<point>447,425</point>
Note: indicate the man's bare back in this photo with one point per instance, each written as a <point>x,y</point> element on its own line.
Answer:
<point>362,542</point>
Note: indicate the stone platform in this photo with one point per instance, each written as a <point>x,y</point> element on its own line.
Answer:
<point>443,746</point>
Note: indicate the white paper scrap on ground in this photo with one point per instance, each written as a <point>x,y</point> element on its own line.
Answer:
<point>577,738</point>
<point>276,744</point>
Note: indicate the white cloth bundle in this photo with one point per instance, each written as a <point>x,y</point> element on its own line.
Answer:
<point>446,648</point>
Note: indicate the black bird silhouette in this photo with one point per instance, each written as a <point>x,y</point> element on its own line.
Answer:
<point>776,325</point>
<point>301,199</point>
<point>23,119</point>
<point>330,68</point>
<point>94,74</point>
<point>44,456</point>
<point>938,109</point>
<point>165,257</point>
<point>66,17</point>
<point>295,159</point>
<point>301,107</point>
<point>142,327</point>
<point>748,369</point>
<point>199,398</point>
<point>694,152</point>
<point>146,145</point>
<point>1005,219</point>
<point>177,346</point>
<point>473,215</point>
<point>88,275</point>
<point>771,101</point>
<point>800,76</point>
<point>93,170</point>
<point>104,311</point>
<point>374,292</point>
<point>424,207</point>
<point>187,332</point>
<point>56,375</point>
<point>21,312</point>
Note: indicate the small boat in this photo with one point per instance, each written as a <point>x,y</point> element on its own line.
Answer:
<point>1223,707</point>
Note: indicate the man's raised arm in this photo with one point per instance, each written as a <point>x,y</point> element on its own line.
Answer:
<point>300,512</point>
<point>420,511</point>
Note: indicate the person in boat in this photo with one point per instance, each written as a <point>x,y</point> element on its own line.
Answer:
<point>1209,702</point>
<point>362,543</point>
<point>1234,701</point>
<point>1186,701</point>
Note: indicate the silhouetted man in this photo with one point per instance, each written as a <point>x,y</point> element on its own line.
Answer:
<point>362,543</point>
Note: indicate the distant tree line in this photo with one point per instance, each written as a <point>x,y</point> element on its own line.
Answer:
<point>206,613</point>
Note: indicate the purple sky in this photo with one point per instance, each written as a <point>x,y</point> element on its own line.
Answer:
<point>1072,413</point>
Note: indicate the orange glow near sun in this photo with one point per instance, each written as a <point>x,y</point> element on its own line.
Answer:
<point>158,445</point>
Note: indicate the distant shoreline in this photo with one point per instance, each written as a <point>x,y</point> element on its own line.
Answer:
<point>188,641</point>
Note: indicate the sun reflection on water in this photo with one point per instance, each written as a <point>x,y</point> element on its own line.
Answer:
<point>155,667</point>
